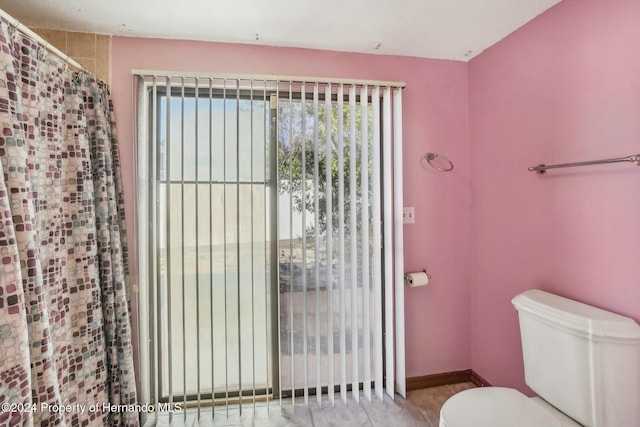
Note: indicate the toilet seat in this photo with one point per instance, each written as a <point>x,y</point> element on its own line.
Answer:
<point>500,407</point>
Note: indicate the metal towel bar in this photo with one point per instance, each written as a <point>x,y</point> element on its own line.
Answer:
<point>542,168</point>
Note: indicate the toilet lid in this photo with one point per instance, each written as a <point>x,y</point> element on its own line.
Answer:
<point>494,407</point>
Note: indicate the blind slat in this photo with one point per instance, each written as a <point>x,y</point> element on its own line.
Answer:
<point>197,211</point>
<point>388,241</point>
<point>328,115</point>
<point>377,246</point>
<point>291,272</point>
<point>305,330</point>
<point>211,281</point>
<point>398,242</point>
<point>364,233</point>
<point>341,243</point>
<point>154,259</point>
<point>316,215</point>
<point>353,158</point>
<point>182,245</point>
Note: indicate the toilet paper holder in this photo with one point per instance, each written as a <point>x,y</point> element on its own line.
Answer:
<point>424,270</point>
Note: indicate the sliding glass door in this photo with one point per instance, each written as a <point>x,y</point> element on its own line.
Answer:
<point>262,206</point>
<point>212,238</point>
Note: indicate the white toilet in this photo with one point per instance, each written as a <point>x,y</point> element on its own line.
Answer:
<point>583,362</point>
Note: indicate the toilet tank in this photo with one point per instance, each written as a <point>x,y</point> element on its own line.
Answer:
<point>583,360</point>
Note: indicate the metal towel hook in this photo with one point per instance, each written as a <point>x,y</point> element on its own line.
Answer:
<point>448,164</point>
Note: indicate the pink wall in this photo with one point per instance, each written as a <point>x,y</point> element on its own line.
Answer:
<point>564,88</point>
<point>435,119</point>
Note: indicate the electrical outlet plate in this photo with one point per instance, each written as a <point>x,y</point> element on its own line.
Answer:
<point>409,215</point>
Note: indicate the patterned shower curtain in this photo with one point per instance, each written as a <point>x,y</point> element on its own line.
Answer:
<point>65,341</point>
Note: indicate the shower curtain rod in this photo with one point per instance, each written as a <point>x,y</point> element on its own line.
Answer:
<point>35,37</point>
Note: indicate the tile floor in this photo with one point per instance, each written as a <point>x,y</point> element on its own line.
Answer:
<point>421,408</point>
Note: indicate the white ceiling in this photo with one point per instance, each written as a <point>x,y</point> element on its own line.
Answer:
<point>444,29</point>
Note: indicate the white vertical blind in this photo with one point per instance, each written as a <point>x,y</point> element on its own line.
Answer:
<point>376,222</point>
<point>269,258</point>
<point>316,257</point>
<point>388,211</point>
<point>364,241</point>
<point>153,252</point>
<point>342,243</point>
<point>328,195</point>
<point>353,226</point>
<point>168,234</point>
<point>398,247</point>
<point>305,314</point>
<point>336,194</point>
<point>142,208</point>
<point>341,254</point>
<point>290,312</point>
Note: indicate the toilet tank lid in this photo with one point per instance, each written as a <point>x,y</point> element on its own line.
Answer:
<point>579,318</point>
